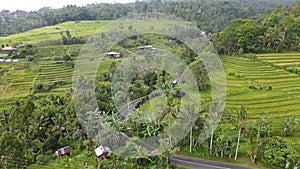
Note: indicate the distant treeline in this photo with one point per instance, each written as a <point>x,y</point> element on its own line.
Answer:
<point>276,30</point>
<point>210,16</point>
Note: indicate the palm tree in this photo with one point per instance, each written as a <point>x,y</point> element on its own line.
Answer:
<point>152,129</point>
<point>138,151</point>
<point>170,108</point>
<point>255,140</point>
<point>212,126</point>
<point>189,115</point>
<point>166,150</point>
<point>241,117</point>
<point>290,124</point>
<point>265,126</point>
<point>59,122</point>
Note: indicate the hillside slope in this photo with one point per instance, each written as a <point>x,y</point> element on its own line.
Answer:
<point>211,16</point>
<point>52,34</point>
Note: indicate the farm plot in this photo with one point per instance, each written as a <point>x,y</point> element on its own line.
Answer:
<point>58,72</point>
<point>15,80</point>
<point>265,90</point>
<point>288,60</point>
<point>51,73</point>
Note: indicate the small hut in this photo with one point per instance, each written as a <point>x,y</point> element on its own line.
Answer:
<point>141,47</point>
<point>6,51</point>
<point>148,47</point>
<point>145,47</point>
<point>9,49</point>
<point>66,151</point>
<point>101,152</point>
<point>114,55</point>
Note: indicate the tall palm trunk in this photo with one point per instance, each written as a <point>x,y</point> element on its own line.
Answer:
<point>211,140</point>
<point>238,143</point>
<point>170,137</point>
<point>191,139</point>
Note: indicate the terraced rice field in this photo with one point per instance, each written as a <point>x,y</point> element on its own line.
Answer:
<point>280,102</point>
<point>288,60</point>
<point>16,81</point>
<point>54,72</point>
<point>51,72</point>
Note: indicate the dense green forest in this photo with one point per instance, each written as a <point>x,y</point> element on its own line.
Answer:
<point>210,16</point>
<point>275,30</point>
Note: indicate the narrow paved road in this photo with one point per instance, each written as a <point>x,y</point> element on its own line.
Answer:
<point>201,164</point>
<point>130,107</point>
<point>61,61</point>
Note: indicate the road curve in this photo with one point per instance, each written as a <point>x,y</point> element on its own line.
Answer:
<point>129,107</point>
<point>201,164</point>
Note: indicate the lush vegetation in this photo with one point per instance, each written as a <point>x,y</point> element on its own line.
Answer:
<point>260,126</point>
<point>276,30</point>
<point>268,112</point>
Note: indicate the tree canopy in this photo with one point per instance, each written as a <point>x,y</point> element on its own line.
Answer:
<point>275,30</point>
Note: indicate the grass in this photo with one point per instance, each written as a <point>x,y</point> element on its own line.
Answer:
<point>49,53</point>
<point>3,54</point>
<point>52,33</point>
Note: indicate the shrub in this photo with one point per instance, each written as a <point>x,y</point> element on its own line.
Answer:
<point>66,58</point>
<point>276,151</point>
<point>30,58</point>
<point>42,159</point>
<point>46,87</point>
<point>70,64</point>
<point>38,86</point>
